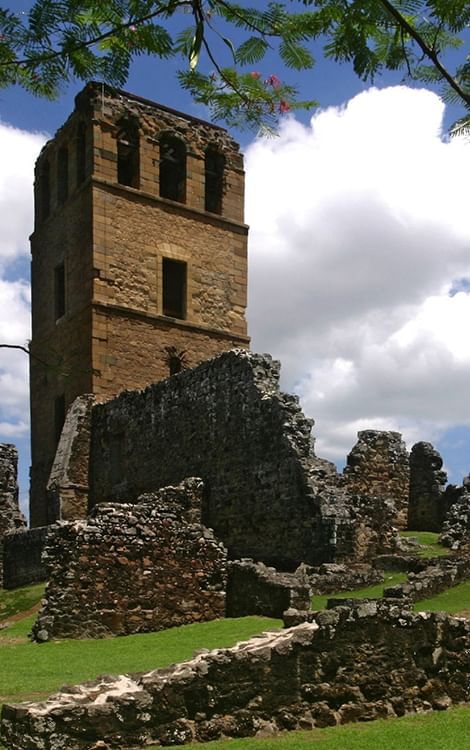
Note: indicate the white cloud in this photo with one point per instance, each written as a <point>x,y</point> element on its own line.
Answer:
<point>14,330</point>
<point>359,227</point>
<point>18,151</point>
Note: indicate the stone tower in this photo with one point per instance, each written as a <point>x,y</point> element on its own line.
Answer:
<point>139,264</point>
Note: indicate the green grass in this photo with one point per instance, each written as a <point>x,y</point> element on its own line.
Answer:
<point>369,592</point>
<point>19,600</point>
<point>32,671</point>
<point>430,731</point>
<point>453,601</point>
<point>429,540</point>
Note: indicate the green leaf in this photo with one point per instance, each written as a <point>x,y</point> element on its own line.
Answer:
<point>253,50</point>
<point>296,56</point>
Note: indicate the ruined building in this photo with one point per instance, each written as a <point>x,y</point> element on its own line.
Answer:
<point>11,518</point>
<point>138,257</point>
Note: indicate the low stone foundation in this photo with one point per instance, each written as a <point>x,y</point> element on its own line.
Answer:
<point>330,577</point>
<point>349,664</point>
<point>254,589</point>
<point>133,568</point>
<point>438,577</point>
<point>22,557</point>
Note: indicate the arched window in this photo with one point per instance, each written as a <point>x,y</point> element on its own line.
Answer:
<point>214,166</point>
<point>128,166</point>
<point>172,168</point>
<point>81,153</point>
<point>62,174</point>
<point>45,190</point>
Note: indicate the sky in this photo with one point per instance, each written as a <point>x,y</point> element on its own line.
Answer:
<point>359,255</point>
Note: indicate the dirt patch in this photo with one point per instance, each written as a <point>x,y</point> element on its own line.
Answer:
<point>20,615</point>
<point>463,613</point>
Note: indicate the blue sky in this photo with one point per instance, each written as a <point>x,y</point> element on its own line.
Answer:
<point>359,254</point>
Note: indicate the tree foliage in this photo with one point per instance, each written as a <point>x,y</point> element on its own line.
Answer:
<point>58,40</point>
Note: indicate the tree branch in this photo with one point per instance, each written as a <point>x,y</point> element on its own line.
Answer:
<point>25,350</point>
<point>428,51</point>
<point>47,57</point>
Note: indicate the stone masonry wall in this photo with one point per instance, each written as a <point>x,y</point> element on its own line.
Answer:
<point>133,568</point>
<point>456,525</point>
<point>227,422</point>
<point>439,576</point>
<point>349,664</point>
<point>11,518</point>
<point>254,589</point>
<point>22,557</point>
<point>67,489</point>
<point>378,465</point>
<point>427,483</point>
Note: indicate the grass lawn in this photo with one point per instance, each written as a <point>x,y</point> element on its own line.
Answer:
<point>31,671</point>
<point>429,539</point>
<point>454,601</point>
<point>432,731</point>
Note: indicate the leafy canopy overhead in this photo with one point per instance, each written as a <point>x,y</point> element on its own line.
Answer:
<point>58,40</point>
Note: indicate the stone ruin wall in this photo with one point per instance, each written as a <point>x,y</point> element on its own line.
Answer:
<point>67,488</point>
<point>378,465</point>
<point>11,518</point>
<point>456,527</point>
<point>22,557</point>
<point>227,422</point>
<point>317,674</point>
<point>254,589</point>
<point>133,568</point>
<point>426,508</point>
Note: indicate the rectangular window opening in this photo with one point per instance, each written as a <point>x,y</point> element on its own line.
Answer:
<point>59,291</point>
<point>174,288</point>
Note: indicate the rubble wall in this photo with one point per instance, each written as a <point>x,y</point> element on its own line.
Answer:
<point>227,422</point>
<point>22,557</point>
<point>11,518</point>
<point>439,576</point>
<point>350,664</point>
<point>426,509</point>
<point>133,568</point>
<point>254,589</point>
<point>378,465</point>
